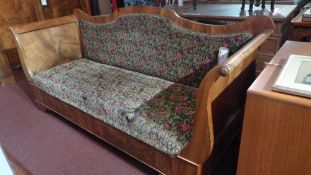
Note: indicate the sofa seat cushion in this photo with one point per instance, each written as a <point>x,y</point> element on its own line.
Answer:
<point>155,111</point>
<point>155,46</point>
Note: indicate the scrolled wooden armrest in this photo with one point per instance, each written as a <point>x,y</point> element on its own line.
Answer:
<point>239,57</point>
<point>45,44</point>
<point>260,26</point>
<point>213,84</point>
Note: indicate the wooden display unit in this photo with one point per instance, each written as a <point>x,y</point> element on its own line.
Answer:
<point>231,13</point>
<point>12,12</point>
<point>301,30</point>
<point>58,8</point>
<point>276,133</point>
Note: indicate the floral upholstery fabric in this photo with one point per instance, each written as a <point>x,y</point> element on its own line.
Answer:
<point>155,111</point>
<point>155,46</point>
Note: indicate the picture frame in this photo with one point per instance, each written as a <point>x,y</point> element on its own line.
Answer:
<point>295,77</point>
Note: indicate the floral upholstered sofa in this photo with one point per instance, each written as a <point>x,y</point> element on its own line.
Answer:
<point>140,79</point>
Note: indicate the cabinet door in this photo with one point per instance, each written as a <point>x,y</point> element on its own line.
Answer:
<point>14,12</point>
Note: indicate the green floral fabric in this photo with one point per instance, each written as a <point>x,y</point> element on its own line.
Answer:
<point>155,46</point>
<point>155,111</point>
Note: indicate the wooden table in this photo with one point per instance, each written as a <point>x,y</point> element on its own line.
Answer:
<point>301,30</point>
<point>229,13</point>
<point>276,130</point>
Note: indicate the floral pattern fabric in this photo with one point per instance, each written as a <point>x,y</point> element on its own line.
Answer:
<point>155,46</point>
<point>155,111</point>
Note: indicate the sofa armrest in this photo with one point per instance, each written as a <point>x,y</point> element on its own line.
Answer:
<point>45,44</point>
<point>220,78</point>
<point>260,26</point>
<point>238,57</point>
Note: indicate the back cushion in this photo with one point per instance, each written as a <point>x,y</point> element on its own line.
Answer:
<point>155,46</point>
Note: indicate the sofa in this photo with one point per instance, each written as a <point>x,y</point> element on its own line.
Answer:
<point>145,81</point>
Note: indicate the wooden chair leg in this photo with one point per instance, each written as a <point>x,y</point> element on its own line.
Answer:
<point>251,3</point>
<point>263,4</point>
<point>272,6</point>
<point>243,4</point>
<point>194,4</point>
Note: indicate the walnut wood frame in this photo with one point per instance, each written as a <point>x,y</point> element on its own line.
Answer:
<point>45,44</point>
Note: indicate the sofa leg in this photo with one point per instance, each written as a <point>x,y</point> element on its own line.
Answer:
<point>184,167</point>
<point>41,107</point>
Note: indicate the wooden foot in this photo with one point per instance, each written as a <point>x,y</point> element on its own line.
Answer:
<point>41,107</point>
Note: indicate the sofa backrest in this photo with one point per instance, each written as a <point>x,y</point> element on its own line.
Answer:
<point>155,46</point>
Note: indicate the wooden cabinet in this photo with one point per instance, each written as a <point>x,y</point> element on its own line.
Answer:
<point>14,12</point>
<point>276,129</point>
<point>301,30</point>
<point>58,8</point>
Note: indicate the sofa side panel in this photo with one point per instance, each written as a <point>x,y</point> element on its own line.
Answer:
<point>201,144</point>
<point>44,48</point>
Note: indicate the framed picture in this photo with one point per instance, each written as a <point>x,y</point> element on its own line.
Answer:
<point>295,77</point>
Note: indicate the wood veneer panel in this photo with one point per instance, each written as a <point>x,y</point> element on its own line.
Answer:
<point>63,47</point>
<point>276,132</point>
<point>14,12</point>
<point>278,141</point>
